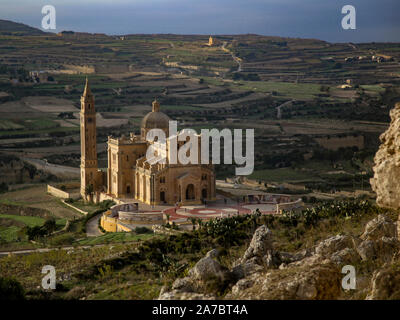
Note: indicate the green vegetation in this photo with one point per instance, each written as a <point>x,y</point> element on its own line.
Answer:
<point>282,175</point>
<point>27,227</point>
<point>138,271</point>
<point>115,237</point>
<point>11,289</point>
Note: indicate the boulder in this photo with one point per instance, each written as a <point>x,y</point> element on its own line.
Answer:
<point>207,275</point>
<point>345,257</point>
<point>381,226</point>
<point>179,295</point>
<point>208,268</point>
<point>333,244</point>
<point>398,228</point>
<point>320,281</point>
<point>386,180</point>
<point>183,284</point>
<point>286,257</point>
<point>258,256</point>
<point>244,284</point>
<point>246,268</point>
<point>385,284</point>
<point>260,245</point>
<point>383,249</point>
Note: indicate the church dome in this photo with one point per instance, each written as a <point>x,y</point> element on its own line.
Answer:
<point>155,119</point>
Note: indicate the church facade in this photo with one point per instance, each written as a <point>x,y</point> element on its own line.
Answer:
<point>129,174</point>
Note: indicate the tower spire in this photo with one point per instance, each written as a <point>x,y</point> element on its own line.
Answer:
<point>87,92</point>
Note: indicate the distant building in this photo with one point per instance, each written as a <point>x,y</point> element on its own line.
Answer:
<point>382,58</point>
<point>211,41</point>
<point>39,76</point>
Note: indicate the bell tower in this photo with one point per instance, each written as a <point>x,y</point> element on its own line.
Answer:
<point>89,167</point>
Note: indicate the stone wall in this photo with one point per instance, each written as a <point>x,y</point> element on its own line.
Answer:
<point>334,143</point>
<point>61,194</point>
<point>298,204</point>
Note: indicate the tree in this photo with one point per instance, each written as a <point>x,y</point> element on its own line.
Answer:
<point>35,232</point>
<point>3,187</point>
<point>89,190</point>
<point>193,221</point>
<point>50,225</point>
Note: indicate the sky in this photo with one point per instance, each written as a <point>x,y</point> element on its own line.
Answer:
<point>376,20</point>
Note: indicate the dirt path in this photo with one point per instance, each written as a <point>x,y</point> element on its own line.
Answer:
<point>235,58</point>
<point>92,226</point>
<point>279,111</point>
<point>53,168</point>
<point>41,250</point>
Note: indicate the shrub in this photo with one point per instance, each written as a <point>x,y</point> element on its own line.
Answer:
<point>3,187</point>
<point>35,232</point>
<point>11,289</point>
<point>106,204</point>
<point>50,225</point>
<point>62,239</point>
<point>142,230</point>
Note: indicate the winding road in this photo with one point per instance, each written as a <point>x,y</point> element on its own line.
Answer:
<point>279,111</point>
<point>235,58</point>
<point>92,226</point>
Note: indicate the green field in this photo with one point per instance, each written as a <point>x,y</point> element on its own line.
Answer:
<point>9,125</point>
<point>282,175</point>
<point>306,91</point>
<point>10,234</point>
<point>116,237</point>
<point>27,220</point>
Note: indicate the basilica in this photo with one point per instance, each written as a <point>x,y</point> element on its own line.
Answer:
<point>130,175</point>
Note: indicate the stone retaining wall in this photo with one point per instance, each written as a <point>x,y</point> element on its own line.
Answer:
<point>61,194</point>
<point>289,206</point>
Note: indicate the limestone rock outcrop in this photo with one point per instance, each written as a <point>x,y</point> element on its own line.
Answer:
<point>258,256</point>
<point>206,275</point>
<point>314,273</point>
<point>386,180</point>
<point>319,281</point>
<point>381,226</point>
<point>385,285</point>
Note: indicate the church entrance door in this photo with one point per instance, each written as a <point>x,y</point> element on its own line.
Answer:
<point>204,194</point>
<point>190,192</point>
